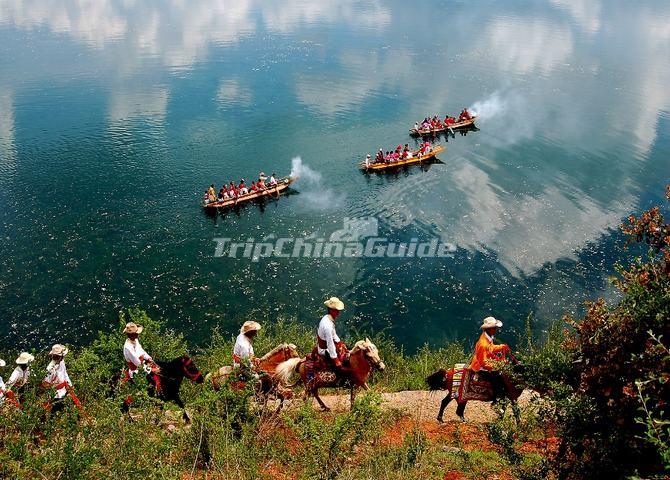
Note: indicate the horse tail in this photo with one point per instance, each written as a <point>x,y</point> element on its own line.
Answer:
<point>287,368</point>
<point>438,380</point>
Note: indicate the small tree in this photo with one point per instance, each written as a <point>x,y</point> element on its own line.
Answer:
<point>622,369</point>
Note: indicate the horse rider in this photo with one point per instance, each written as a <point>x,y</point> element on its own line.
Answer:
<point>244,360</point>
<point>329,346</point>
<point>243,351</point>
<point>133,352</point>
<point>18,379</point>
<point>135,356</point>
<point>486,353</point>
<point>58,378</point>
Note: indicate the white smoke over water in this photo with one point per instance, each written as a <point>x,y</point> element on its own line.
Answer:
<point>508,117</point>
<point>489,108</point>
<point>312,188</point>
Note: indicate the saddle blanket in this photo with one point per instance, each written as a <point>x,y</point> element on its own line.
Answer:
<point>471,386</point>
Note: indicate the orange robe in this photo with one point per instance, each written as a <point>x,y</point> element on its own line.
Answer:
<point>485,351</point>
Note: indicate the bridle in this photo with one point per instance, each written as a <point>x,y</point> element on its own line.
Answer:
<point>190,375</point>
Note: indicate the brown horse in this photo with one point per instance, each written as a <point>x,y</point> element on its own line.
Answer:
<point>362,359</point>
<point>268,384</point>
<point>443,380</point>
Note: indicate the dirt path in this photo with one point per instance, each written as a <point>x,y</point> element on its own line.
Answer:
<point>423,406</point>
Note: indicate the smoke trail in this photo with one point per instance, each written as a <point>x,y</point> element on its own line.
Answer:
<point>490,107</point>
<point>508,117</point>
<point>312,188</point>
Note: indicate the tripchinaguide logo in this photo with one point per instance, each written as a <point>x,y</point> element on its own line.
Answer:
<point>359,238</point>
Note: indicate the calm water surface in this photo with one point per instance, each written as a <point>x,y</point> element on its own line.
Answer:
<point>115,115</point>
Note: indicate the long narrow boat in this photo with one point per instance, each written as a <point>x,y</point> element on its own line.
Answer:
<point>401,163</point>
<point>282,184</point>
<point>454,126</point>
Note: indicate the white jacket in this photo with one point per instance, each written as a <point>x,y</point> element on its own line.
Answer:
<point>327,333</point>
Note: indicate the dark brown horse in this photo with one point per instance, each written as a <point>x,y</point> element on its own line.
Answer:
<point>443,380</point>
<point>165,381</point>
<point>362,359</point>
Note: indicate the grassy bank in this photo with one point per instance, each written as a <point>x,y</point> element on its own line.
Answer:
<point>231,436</point>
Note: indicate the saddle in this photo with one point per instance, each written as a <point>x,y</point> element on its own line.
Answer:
<point>470,385</point>
<point>321,371</point>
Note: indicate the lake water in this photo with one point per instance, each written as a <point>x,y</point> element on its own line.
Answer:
<point>115,115</point>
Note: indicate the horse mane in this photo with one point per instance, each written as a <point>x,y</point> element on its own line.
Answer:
<point>361,345</point>
<point>279,347</point>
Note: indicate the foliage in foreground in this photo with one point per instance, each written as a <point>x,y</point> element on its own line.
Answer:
<point>608,376</point>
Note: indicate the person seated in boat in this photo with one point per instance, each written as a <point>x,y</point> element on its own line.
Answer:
<point>232,190</point>
<point>427,148</point>
<point>379,158</point>
<point>253,188</point>
<point>416,126</point>
<point>242,188</point>
<point>273,180</point>
<point>262,177</point>
<point>448,121</point>
<point>211,194</point>
<point>205,198</point>
<point>222,194</point>
<point>260,185</point>
<point>465,115</point>
<point>368,161</point>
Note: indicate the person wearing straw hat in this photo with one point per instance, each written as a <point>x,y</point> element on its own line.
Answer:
<point>133,352</point>
<point>329,346</point>
<point>19,378</point>
<point>486,353</point>
<point>58,378</point>
<point>243,351</point>
<point>3,387</point>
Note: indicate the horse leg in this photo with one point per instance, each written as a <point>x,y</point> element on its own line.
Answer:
<point>516,411</point>
<point>352,397</point>
<point>315,394</point>
<point>185,415</point>
<point>460,410</point>
<point>443,405</point>
<point>281,403</point>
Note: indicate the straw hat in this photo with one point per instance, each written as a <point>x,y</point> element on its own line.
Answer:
<point>2,362</point>
<point>24,359</point>
<point>132,327</point>
<point>334,303</point>
<point>490,322</point>
<point>250,326</point>
<point>59,350</point>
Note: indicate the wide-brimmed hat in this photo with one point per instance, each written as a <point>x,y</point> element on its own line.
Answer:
<point>132,327</point>
<point>2,362</point>
<point>250,326</point>
<point>491,322</point>
<point>24,359</point>
<point>59,350</point>
<point>334,303</point>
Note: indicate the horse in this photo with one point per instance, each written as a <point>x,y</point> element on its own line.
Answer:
<point>443,380</point>
<point>363,358</point>
<point>164,382</point>
<point>268,384</point>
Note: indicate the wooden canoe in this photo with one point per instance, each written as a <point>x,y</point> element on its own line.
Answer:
<point>401,163</point>
<point>282,184</point>
<point>454,126</point>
